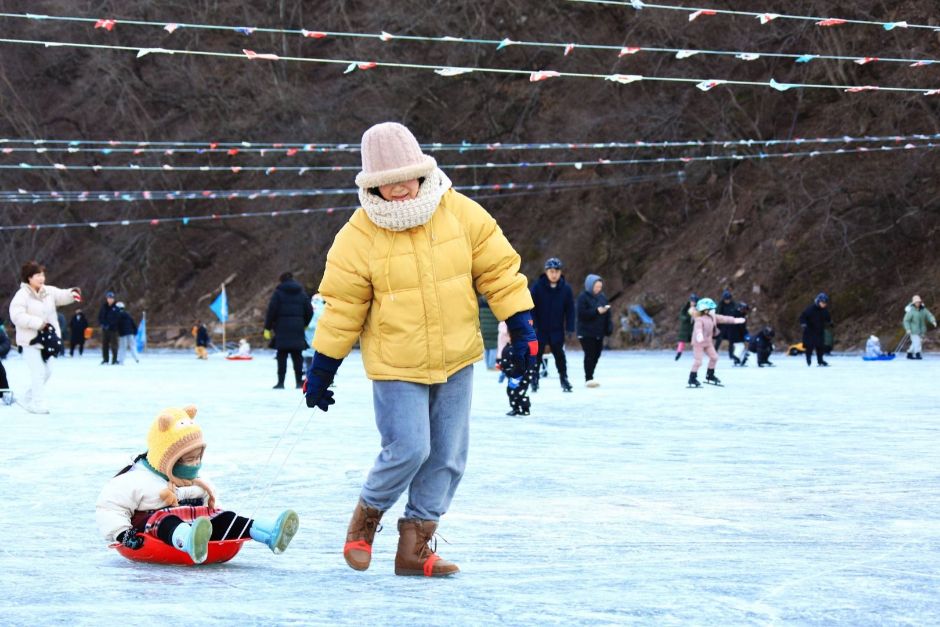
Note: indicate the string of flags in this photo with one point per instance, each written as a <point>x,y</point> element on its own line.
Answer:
<point>702,84</point>
<point>113,146</point>
<point>763,17</point>
<point>498,191</point>
<point>566,47</point>
<point>30,196</point>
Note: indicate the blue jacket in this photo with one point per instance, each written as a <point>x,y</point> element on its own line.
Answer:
<point>126,324</point>
<point>553,314</point>
<point>108,316</point>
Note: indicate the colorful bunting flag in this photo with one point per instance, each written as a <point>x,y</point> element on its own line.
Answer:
<point>696,14</point>
<point>542,75</point>
<point>624,79</point>
<point>108,25</point>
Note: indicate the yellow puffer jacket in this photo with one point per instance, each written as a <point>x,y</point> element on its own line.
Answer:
<point>410,294</point>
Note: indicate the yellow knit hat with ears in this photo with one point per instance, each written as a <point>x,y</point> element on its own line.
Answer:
<point>173,434</point>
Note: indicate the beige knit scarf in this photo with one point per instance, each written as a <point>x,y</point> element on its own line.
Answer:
<point>401,215</point>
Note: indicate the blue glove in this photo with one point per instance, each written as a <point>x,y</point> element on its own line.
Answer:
<point>319,377</point>
<point>525,344</point>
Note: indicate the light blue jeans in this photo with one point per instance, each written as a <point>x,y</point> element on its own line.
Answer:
<point>425,433</point>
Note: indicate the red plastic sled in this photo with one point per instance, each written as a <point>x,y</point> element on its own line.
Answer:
<point>239,357</point>
<point>157,552</point>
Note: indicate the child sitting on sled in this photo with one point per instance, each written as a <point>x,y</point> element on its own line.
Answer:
<point>243,350</point>
<point>162,495</point>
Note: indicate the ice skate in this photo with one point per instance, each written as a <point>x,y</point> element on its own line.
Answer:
<point>693,380</point>
<point>7,398</point>
<point>678,355</point>
<point>823,364</point>
<point>711,379</point>
<point>565,386</point>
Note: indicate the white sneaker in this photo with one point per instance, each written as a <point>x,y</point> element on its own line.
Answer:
<point>592,384</point>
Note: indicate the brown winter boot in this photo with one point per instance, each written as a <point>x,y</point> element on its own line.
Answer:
<point>359,536</point>
<point>415,556</point>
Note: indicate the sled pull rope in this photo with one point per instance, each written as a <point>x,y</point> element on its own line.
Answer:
<point>267,462</point>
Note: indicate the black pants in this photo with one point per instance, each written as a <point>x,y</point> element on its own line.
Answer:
<point>109,339</point>
<point>592,347</point>
<point>718,341</point>
<point>80,344</point>
<point>220,524</point>
<point>297,361</point>
<point>558,352</point>
<point>4,383</point>
<point>763,356</point>
<point>519,400</point>
<point>820,351</point>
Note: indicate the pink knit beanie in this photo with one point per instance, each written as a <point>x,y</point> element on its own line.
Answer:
<point>391,154</point>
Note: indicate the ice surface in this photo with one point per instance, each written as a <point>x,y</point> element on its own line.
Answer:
<point>793,495</point>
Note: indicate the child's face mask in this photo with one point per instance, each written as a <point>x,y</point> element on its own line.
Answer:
<point>186,471</point>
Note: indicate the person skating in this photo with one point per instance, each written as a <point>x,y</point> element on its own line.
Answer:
<point>77,326</point>
<point>108,319</point>
<point>289,313</point>
<point>685,325</point>
<point>704,330</point>
<point>163,495</point>
<point>33,312</point>
<point>127,334</point>
<point>554,315</point>
<point>516,387</point>
<point>594,324</point>
<point>401,277</point>
<point>6,396</point>
<point>762,345</point>
<point>814,320</point>
<point>728,308</point>
<point>738,335</point>
<point>316,305</point>
<point>201,334</point>
<point>916,318</point>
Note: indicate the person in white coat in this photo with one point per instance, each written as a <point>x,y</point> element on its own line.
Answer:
<point>32,310</point>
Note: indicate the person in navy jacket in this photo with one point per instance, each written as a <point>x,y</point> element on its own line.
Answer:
<point>553,315</point>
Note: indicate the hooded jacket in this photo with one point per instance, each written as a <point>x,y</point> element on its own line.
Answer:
<point>30,311</point>
<point>915,320</point>
<point>412,295</point>
<point>289,312</point>
<point>590,322</point>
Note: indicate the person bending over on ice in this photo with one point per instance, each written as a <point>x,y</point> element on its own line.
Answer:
<point>814,321</point>
<point>404,273</point>
<point>162,495</point>
<point>763,345</point>
<point>704,332</point>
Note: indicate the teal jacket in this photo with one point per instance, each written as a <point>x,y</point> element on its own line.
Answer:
<point>915,320</point>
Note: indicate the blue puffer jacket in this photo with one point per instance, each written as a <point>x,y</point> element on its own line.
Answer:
<point>553,314</point>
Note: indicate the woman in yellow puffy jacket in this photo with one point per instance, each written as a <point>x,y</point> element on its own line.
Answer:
<point>402,277</point>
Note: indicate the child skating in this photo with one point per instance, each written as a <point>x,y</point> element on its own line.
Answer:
<point>161,495</point>
<point>704,330</point>
<point>516,387</point>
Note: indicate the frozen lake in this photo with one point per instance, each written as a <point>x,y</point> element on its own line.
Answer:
<point>794,495</point>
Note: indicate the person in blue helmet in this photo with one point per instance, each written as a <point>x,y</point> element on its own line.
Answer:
<point>704,330</point>
<point>553,316</point>
<point>814,321</point>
